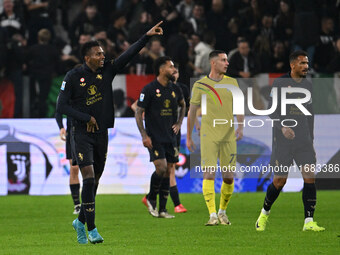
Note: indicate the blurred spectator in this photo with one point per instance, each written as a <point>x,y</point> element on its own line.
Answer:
<point>251,21</point>
<point>43,60</point>
<point>11,20</point>
<point>121,109</point>
<point>143,63</point>
<point>279,60</point>
<point>141,27</point>
<point>70,60</point>
<point>163,10</point>
<point>243,63</point>
<point>202,50</point>
<point>197,20</point>
<point>306,27</point>
<point>184,8</point>
<point>324,50</point>
<point>334,64</point>
<point>284,23</point>
<point>263,53</point>
<point>135,9</point>
<point>117,32</point>
<point>38,18</point>
<point>217,22</point>
<point>14,69</point>
<point>233,34</point>
<point>177,49</point>
<point>87,22</point>
<point>267,28</point>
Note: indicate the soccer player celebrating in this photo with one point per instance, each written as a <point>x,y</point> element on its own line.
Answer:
<point>160,100</point>
<point>86,96</point>
<point>294,143</point>
<point>216,141</point>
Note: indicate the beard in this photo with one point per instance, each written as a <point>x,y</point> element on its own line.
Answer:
<point>171,77</point>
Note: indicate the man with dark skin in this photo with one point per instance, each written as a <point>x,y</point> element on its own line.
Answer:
<point>293,143</point>
<point>86,96</point>
<point>160,100</point>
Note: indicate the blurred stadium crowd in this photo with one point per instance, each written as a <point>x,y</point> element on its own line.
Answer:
<point>41,39</point>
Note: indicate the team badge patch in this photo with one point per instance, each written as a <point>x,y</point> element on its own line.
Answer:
<point>173,94</point>
<point>63,85</point>
<point>99,77</point>
<point>92,90</point>
<point>141,97</point>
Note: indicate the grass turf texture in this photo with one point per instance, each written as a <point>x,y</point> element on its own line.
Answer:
<point>42,225</point>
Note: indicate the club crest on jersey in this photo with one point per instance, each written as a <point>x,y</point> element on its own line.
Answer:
<point>99,77</point>
<point>92,90</point>
<point>158,94</point>
<point>173,94</point>
<point>167,103</point>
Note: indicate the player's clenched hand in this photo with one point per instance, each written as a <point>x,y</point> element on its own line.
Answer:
<point>176,127</point>
<point>239,133</point>
<point>288,133</point>
<point>63,134</point>
<point>191,145</point>
<point>156,30</point>
<point>147,142</point>
<point>92,125</point>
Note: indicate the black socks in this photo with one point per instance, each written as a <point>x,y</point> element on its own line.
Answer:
<point>271,196</point>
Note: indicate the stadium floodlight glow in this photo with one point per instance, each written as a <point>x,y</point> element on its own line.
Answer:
<point>238,100</point>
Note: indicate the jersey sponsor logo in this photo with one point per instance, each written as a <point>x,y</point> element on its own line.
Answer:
<point>99,77</point>
<point>173,94</point>
<point>158,93</point>
<point>167,103</point>
<point>63,85</point>
<point>82,79</point>
<point>141,97</point>
<point>92,90</point>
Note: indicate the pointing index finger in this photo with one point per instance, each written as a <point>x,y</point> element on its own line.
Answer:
<point>159,23</point>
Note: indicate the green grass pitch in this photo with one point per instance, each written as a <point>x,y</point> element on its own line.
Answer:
<point>42,225</point>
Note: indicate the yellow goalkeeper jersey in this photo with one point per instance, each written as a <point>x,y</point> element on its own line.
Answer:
<point>219,108</point>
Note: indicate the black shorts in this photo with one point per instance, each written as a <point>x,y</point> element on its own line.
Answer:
<point>284,153</point>
<point>68,145</point>
<point>168,151</point>
<point>178,140</point>
<point>90,149</point>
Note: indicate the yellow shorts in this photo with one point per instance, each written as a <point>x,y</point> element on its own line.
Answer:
<point>224,151</point>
